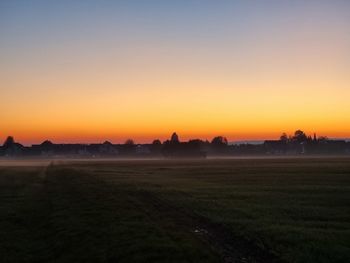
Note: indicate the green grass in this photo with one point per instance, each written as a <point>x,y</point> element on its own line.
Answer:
<point>242,210</point>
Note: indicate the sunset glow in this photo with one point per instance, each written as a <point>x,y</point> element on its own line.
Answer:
<point>79,71</point>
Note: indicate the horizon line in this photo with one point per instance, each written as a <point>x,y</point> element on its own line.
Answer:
<point>231,141</point>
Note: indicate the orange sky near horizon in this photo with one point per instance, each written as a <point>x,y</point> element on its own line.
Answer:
<point>90,74</point>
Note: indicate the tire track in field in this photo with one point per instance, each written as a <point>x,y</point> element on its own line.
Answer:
<point>164,214</point>
<point>97,207</point>
<point>230,248</point>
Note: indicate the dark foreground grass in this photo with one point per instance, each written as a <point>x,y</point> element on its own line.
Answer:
<point>248,210</point>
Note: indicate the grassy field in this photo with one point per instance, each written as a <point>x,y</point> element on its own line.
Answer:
<point>223,210</point>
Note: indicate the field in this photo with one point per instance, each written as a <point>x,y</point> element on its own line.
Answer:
<point>215,210</point>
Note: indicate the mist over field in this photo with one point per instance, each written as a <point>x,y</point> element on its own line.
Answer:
<point>213,210</point>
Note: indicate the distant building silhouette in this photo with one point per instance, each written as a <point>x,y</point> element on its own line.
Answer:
<point>299,143</point>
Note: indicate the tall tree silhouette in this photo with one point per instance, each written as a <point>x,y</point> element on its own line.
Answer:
<point>9,142</point>
<point>174,138</point>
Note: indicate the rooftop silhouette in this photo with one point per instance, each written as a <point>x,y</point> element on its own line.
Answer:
<point>297,144</point>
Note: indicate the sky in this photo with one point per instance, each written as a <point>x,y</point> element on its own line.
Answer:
<point>90,71</point>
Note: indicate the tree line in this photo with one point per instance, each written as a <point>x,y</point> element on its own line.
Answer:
<point>297,143</point>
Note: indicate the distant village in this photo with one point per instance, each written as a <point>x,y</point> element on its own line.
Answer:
<point>297,144</point>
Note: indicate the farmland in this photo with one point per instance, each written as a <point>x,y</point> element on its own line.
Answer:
<point>214,210</point>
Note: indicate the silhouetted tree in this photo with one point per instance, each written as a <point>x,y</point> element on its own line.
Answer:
<point>107,143</point>
<point>156,147</point>
<point>174,138</point>
<point>9,142</point>
<point>12,148</point>
<point>129,142</point>
<point>219,145</point>
<point>47,143</point>
<point>156,142</point>
<point>219,140</point>
<point>299,136</point>
<point>129,147</point>
<point>284,137</point>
